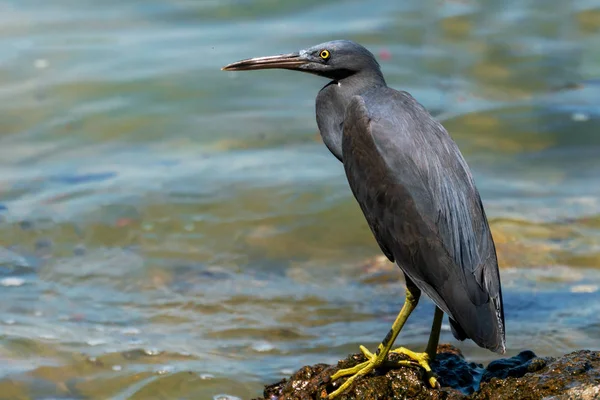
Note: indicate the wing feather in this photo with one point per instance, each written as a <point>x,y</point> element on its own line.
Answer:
<point>420,201</point>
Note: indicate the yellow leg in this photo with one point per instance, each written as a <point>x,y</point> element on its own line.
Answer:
<point>374,360</point>
<point>434,337</point>
<point>423,359</point>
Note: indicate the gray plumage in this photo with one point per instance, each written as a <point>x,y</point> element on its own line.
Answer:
<point>412,184</point>
<point>424,210</point>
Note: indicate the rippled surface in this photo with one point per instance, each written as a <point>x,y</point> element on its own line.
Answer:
<point>168,230</point>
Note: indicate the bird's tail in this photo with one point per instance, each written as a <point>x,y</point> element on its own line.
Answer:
<point>484,325</point>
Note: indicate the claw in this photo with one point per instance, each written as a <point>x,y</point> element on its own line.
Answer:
<point>356,371</point>
<point>423,360</point>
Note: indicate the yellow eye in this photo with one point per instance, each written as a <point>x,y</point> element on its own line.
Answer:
<point>324,54</point>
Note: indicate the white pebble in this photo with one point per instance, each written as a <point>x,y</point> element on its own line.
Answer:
<point>12,281</point>
<point>152,352</point>
<point>262,346</point>
<point>41,63</point>
<point>117,368</point>
<point>47,336</point>
<point>225,397</point>
<point>95,342</point>
<point>206,376</point>
<point>584,289</point>
<point>165,369</point>
<point>131,331</point>
<point>580,117</point>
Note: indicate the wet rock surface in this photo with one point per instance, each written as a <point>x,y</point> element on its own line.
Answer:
<point>525,376</point>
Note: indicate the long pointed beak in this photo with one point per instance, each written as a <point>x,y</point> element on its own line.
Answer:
<point>285,61</point>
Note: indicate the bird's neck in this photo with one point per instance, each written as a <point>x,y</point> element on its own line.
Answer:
<point>331,105</point>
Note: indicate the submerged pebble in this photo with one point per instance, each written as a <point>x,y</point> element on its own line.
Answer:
<point>79,250</point>
<point>12,281</point>
<point>95,342</point>
<point>26,225</point>
<point>262,346</point>
<point>131,331</point>
<point>225,397</point>
<point>584,289</point>
<point>41,63</point>
<point>151,352</point>
<point>580,117</point>
<point>43,244</point>
<point>47,336</point>
<point>165,369</point>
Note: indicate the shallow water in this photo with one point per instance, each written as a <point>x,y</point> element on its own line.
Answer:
<point>169,230</point>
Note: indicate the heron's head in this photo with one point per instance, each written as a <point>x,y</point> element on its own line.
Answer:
<point>336,60</point>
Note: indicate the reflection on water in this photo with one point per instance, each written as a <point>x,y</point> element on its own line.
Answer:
<point>170,230</point>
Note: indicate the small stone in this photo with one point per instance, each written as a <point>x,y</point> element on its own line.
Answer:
<point>165,369</point>
<point>12,281</point>
<point>580,117</point>
<point>131,331</point>
<point>117,368</point>
<point>26,225</point>
<point>79,250</point>
<point>584,289</point>
<point>262,346</point>
<point>95,342</point>
<point>206,376</point>
<point>151,352</point>
<point>48,336</point>
<point>225,397</point>
<point>189,227</point>
<point>41,63</point>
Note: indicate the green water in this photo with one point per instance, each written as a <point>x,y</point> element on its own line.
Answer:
<point>169,230</point>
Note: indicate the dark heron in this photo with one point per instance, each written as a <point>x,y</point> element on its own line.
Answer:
<point>415,190</point>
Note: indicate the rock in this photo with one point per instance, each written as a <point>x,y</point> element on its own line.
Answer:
<point>573,376</point>
<point>525,376</point>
